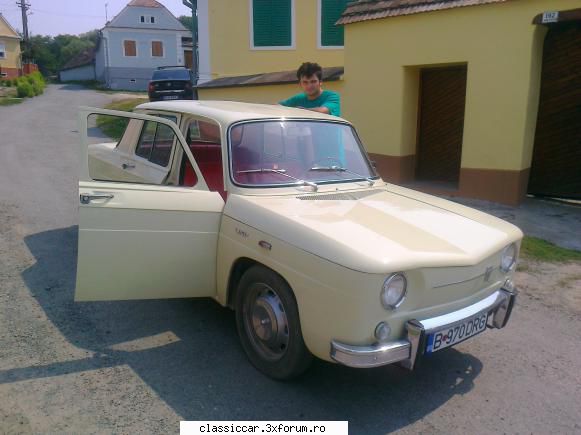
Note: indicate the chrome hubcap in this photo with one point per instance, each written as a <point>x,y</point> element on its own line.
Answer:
<point>267,323</point>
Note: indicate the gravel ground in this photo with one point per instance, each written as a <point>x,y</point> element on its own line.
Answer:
<point>142,366</point>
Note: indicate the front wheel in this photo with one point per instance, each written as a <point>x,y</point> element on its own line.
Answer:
<point>268,324</point>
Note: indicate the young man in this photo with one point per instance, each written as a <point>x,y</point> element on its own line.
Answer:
<point>313,97</point>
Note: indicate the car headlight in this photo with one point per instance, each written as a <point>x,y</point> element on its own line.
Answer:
<point>508,258</point>
<point>394,291</point>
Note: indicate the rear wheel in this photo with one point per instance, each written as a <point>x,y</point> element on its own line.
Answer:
<point>268,324</point>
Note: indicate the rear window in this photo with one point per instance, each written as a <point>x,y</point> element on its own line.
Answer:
<point>171,74</point>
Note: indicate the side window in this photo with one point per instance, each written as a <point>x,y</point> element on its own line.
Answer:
<point>155,143</point>
<point>129,150</point>
<point>145,144</point>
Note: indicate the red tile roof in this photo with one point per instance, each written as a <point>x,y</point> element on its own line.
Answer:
<point>364,10</point>
<point>145,3</point>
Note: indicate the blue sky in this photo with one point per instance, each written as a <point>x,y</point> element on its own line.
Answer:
<point>53,17</point>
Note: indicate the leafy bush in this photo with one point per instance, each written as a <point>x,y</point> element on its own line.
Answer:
<point>8,83</point>
<point>25,90</point>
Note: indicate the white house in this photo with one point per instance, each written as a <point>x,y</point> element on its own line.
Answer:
<point>142,37</point>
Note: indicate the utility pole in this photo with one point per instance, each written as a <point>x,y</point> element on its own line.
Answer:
<point>106,15</point>
<point>193,5</point>
<point>24,8</point>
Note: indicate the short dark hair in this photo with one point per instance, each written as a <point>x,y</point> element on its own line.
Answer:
<point>308,69</point>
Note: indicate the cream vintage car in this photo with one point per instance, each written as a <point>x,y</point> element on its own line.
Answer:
<point>278,214</point>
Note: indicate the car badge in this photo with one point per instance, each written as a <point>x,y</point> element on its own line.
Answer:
<point>487,273</point>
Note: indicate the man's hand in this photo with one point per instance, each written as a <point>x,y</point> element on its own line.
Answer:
<point>321,109</point>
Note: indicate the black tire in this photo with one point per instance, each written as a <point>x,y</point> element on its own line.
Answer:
<point>267,319</point>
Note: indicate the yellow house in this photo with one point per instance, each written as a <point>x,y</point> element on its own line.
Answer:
<point>10,56</point>
<point>251,49</point>
<point>475,98</point>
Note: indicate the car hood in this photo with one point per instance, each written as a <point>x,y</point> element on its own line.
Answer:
<point>377,230</point>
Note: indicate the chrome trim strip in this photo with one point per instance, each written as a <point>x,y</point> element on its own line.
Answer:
<point>370,356</point>
<point>455,317</point>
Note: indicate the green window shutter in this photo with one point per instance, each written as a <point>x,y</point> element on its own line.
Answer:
<point>272,21</point>
<point>331,10</point>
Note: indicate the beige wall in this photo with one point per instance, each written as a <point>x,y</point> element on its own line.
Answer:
<point>503,52</point>
<point>12,59</point>
<point>230,51</point>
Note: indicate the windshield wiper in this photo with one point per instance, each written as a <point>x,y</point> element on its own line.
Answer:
<point>335,168</point>
<point>280,172</point>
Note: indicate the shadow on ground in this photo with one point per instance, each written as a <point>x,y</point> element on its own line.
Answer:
<point>204,375</point>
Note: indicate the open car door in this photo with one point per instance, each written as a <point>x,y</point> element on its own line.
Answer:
<point>141,234</point>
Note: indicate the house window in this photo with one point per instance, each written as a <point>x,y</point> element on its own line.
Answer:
<point>147,19</point>
<point>330,11</point>
<point>272,23</point>
<point>129,48</point>
<point>157,48</point>
<point>2,50</point>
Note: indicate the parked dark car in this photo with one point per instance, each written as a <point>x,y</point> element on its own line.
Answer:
<point>172,83</point>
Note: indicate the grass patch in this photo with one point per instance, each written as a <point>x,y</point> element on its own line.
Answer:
<point>7,101</point>
<point>534,248</point>
<point>114,126</point>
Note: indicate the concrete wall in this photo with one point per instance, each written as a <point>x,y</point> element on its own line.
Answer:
<point>86,72</point>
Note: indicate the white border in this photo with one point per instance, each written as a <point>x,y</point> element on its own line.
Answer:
<point>136,49</point>
<point>162,49</point>
<point>3,46</point>
<point>320,45</point>
<point>293,33</point>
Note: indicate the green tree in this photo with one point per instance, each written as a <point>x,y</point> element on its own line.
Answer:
<point>186,21</point>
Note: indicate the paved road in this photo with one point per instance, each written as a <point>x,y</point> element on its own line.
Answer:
<point>128,367</point>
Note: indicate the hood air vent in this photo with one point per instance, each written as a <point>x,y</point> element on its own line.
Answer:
<point>343,196</point>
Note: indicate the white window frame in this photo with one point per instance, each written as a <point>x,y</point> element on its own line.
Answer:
<point>281,48</point>
<point>147,19</point>
<point>162,49</point>
<point>320,45</point>
<point>2,50</point>
<point>136,49</point>
<point>3,74</point>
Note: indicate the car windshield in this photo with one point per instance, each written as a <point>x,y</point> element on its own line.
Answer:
<point>284,152</point>
<point>171,74</point>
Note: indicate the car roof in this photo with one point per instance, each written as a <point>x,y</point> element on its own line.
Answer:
<point>228,112</point>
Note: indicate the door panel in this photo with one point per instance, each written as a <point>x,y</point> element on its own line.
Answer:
<point>139,241</point>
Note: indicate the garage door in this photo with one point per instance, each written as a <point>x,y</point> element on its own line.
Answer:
<point>441,123</point>
<point>556,165</point>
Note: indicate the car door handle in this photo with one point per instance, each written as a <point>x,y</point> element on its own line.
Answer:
<point>86,198</point>
<point>128,166</point>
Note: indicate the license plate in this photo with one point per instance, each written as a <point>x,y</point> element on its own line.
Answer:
<point>170,97</point>
<point>450,336</point>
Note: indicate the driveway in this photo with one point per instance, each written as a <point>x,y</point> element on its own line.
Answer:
<point>131,367</point>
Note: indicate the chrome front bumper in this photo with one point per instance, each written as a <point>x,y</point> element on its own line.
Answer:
<point>407,352</point>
